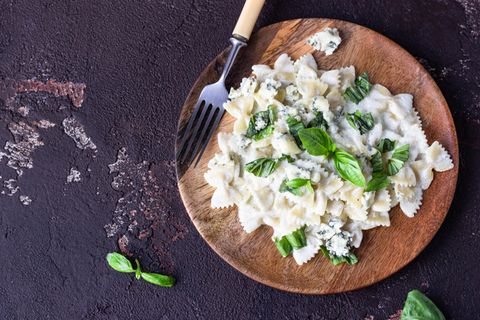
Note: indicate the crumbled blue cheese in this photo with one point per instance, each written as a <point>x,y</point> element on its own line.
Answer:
<point>247,88</point>
<point>260,124</point>
<point>327,40</point>
<point>291,94</point>
<point>339,244</point>
<point>337,241</point>
<point>269,88</point>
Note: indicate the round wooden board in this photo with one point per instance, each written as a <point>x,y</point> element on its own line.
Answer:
<point>384,250</point>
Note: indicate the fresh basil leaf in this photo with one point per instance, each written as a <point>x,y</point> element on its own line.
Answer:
<point>362,122</point>
<point>158,279</point>
<point>401,153</point>
<point>294,126</point>
<point>297,182</point>
<point>119,263</point>
<point>350,259</point>
<point>138,270</point>
<point>283,246</point>
<point>318,121</point>
<point>363,84</point>
<point>317,142</point>
<point>359,89</point>
<point>297,238</point>
<point>397,161</point>
<point>377,183</point>
<point>268,117</point>
<point>377,164</point>
<point>420,307</point>
<point>285,188</point>
<point>386,145</point>
<point>348,167</point>
<point>352,94</point>
<point>261,167</point>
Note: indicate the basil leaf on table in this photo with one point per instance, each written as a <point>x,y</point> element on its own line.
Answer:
<point>420,307</point>
<point>317,142</point>
<point>268,117</point>
<point>398,159</point>
<point>363,122</point>
<point>348,167</point>
<point>158,279</point>
<point>119,263</point>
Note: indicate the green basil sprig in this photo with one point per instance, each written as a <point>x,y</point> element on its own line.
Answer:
<point>363,122</point>
<point>296,185</point>
<point>350,259</point>
<point>318,143</point>
<point>359,89</point>
<point>418,306</point>
<point>263,167</point>
<point>294,240</point>
<point>268,116</point>
<point>121,264</point>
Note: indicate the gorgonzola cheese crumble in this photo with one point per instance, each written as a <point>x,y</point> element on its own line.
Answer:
<point>320,156</point>
<point>327,40</point>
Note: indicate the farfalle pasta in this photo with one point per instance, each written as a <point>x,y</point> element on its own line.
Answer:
<point>320,156</point>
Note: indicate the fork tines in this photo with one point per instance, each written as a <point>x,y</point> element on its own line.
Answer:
<point>198,131</point>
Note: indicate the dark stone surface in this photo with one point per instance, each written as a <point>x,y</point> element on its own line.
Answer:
<point>138,60</point>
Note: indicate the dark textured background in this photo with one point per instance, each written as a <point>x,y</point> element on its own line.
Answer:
<point>138,60</point>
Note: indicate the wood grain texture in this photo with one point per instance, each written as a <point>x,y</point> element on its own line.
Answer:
<point>384,250</point>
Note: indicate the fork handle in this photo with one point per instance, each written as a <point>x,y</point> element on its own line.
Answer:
<point>248,18</point>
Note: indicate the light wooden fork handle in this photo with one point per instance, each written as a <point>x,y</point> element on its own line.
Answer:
<point>248,18</point>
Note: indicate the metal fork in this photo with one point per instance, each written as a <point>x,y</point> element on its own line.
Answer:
<point>209,109</point>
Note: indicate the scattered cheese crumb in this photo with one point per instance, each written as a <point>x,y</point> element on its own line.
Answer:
<point>327,40</point>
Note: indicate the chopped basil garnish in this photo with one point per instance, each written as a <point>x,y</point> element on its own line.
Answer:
<point>379,178</point>
<point>294,240</point>
<point>359,89</point>
<point>398,159</point>
<point>294,126</point>
<point>350,259</point>
<point>121,264</point>
<point>386,145</point>
<point>295,186</point>
<point>266,117</point>
<point>363,122</point>
<point>283,246</point>
<point>263,167</point>
<point>419,306</point>
<point>318,143</point>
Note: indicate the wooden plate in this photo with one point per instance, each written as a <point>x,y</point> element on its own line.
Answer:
<point>384,250</point>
